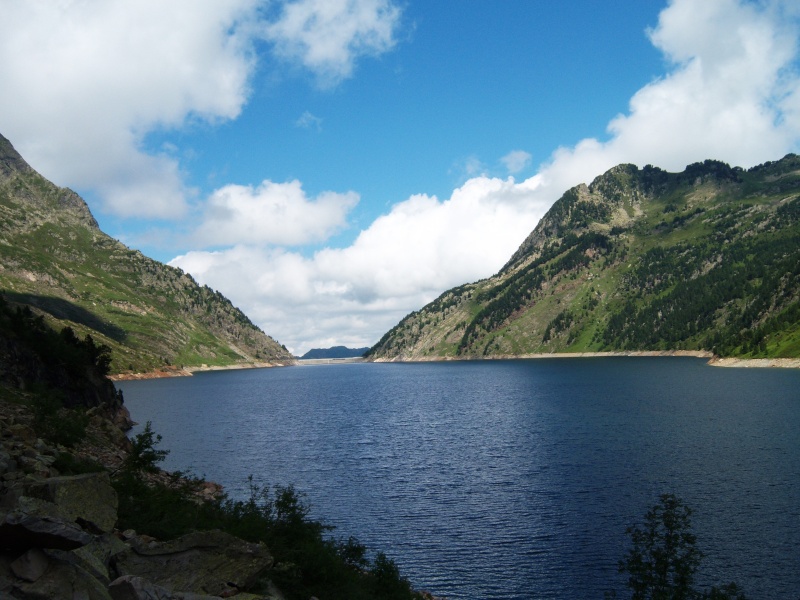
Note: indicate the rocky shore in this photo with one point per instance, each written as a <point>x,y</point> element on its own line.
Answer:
<point>58,538</point>
<point>759,363</point>
<point>713,360</point>
<point>189,371</point>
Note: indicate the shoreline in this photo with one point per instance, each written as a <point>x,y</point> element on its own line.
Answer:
<point>189,371</point>
<point>713,360</point>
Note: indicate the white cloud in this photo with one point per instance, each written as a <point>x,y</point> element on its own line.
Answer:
<point>90,78</point>
<point>327,36</point>
<point>273,213</point>
<point>86,80</point>
<point>732,94</point>
<point>738,101</point>
<point>403,260</point>
<point>516,161</point>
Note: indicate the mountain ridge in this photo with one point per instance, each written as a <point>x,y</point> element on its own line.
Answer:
<point>334,352</point>
<point>640,259</point>
<point>55,259</point>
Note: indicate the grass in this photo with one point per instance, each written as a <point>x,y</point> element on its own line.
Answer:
<point>707,220</point>
<point>83,266</point>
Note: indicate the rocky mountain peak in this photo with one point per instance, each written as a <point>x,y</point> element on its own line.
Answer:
<point>41,200</point>
<point>10,160</point>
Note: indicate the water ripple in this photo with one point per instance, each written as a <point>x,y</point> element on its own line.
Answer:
<point>511,479</point>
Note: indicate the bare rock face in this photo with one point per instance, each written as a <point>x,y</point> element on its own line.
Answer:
<point>208,562</point>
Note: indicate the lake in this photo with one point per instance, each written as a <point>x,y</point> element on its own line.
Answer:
<point>509,479</point>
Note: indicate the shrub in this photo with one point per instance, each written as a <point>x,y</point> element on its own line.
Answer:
<point>664,557</point>
<point>308,563</point>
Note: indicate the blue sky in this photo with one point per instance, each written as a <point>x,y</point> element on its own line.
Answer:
<point>331,165</point>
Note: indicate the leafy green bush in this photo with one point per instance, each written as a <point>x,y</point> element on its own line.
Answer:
<point>308,562</point>
<point>143,456</point>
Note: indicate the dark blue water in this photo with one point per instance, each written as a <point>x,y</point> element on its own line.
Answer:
<point>510,479</point>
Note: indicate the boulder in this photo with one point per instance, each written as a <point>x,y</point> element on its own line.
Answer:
<point>60,581</point>
<point>31,565</point>
<point>207,562</point>
<point>130,587</point>
<point>88,499</point>
<point>94,557</point>
<point>21,532</point>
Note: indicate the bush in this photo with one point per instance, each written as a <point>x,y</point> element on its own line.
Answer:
<point>143,456</point>
<point>307,562</point>
<point>52,421</point>
<point>664,557</point>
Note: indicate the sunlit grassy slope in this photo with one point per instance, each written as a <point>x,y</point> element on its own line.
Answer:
<point>641,259</point>
<point>54,258</point>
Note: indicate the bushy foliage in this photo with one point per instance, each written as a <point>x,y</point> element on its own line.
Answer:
<point>143,456</point>
<point>308,561</point>
<point>663,558</point>
<point>55,423</point>
<point>71,366</point>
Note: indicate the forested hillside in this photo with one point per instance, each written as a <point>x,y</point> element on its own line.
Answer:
<point>55,259</point>
<point>641,259</point>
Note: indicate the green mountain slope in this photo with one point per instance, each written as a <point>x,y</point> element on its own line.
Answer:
<point>641,259</point>
<point>54,258</point>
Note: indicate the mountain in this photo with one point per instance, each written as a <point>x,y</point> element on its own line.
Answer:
<point>641,259</point>
<point>335,352</point>
<point>55,259</point>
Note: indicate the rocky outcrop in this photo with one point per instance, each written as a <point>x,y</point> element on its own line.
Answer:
<point>58,538</point>
<point>206,562</point>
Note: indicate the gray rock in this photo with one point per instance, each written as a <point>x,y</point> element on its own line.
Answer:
<point>7,464</point>
<point>31,565</point>
<point>88,499</point>
<point>20,531</point>
<point>95,556</point>
<point>131,587</point>
<point>22,432</point>
<point>210,562</point>
<point>61,581</point>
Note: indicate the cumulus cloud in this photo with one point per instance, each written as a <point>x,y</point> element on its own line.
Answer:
<point>86,81</point>
<point>516,161</point>
<point>326,36</point>
<point>273,213</point>
<point>401,261</point>
<point>731,92</point>
<point>91,78</point>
